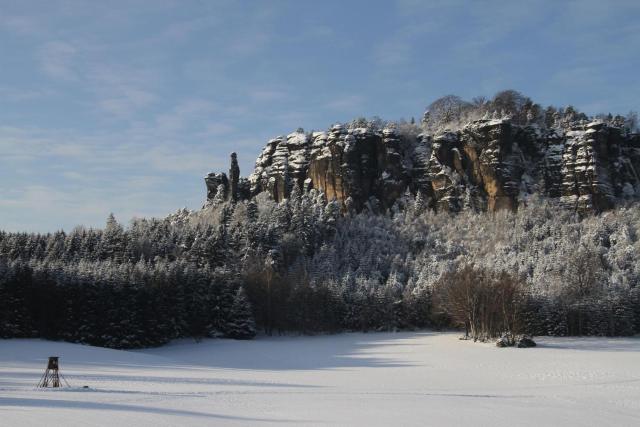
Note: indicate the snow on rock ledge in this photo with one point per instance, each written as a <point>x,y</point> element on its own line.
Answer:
<point>486,165</point>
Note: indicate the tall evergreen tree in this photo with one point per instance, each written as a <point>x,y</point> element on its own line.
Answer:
<point>240,324</point>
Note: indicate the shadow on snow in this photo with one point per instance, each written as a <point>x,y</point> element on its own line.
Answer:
<point>70,404</point>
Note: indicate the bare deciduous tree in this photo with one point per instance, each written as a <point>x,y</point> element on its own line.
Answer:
<point>486,304</point>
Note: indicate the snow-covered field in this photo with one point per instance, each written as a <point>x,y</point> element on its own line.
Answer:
<point>385,379</point>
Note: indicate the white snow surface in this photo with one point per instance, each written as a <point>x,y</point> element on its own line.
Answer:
<point>376,379</point>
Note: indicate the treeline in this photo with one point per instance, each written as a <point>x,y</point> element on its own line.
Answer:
<point>303,266</point>
<point>156,280</point>
<point>120,305</point>
<point>203,274</point>
<point>451,112</point>
<point>490,304</point>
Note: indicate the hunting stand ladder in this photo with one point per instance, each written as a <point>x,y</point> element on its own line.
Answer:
<point>52,375</point>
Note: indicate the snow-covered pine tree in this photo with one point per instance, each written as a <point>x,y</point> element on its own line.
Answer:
<point>240,324</point>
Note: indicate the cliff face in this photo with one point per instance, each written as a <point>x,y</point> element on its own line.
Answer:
<point>487,165</point>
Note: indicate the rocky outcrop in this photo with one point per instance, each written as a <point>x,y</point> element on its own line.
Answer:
<point>234,177</point>
<point>232,188</point>
<point>486,165</point>
<point>525,342</point>
<point>283,162</point>
<point>215,182</point>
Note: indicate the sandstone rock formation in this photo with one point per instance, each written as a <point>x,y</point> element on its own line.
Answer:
<point>486,165</point>
<point>215,181</point>
<point>234,177</point>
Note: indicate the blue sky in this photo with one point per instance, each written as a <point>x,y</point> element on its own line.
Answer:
<point>124,106</point>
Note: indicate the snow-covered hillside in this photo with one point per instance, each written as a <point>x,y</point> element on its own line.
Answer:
<point>351,379</point>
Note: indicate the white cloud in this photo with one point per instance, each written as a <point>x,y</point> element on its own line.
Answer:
<point>184,114</point>
<point>56,59</point>
<point>76,176</point>
<point>399,47</point>
<point>122,90</point>
<point>64,178</point>
<point>51,207</point>
<point>182,30</point>
<point>19,25</point>
<point>126,152</point>
<point>182,159</point>
<point>319,31</point>
<point>22,95</point>
<point>127,102</point>
<point>345,103</point>
<point>392,52</point>
<point>268,95</point>
<point>216,129</point>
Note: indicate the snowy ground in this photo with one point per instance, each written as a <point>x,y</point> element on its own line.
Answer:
<point>351,379</point>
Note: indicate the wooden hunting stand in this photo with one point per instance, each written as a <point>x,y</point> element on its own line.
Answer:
<point>52,375</point>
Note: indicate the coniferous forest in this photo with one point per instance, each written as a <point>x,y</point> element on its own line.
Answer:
<point>300,266</point>
<point>309,265</point>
